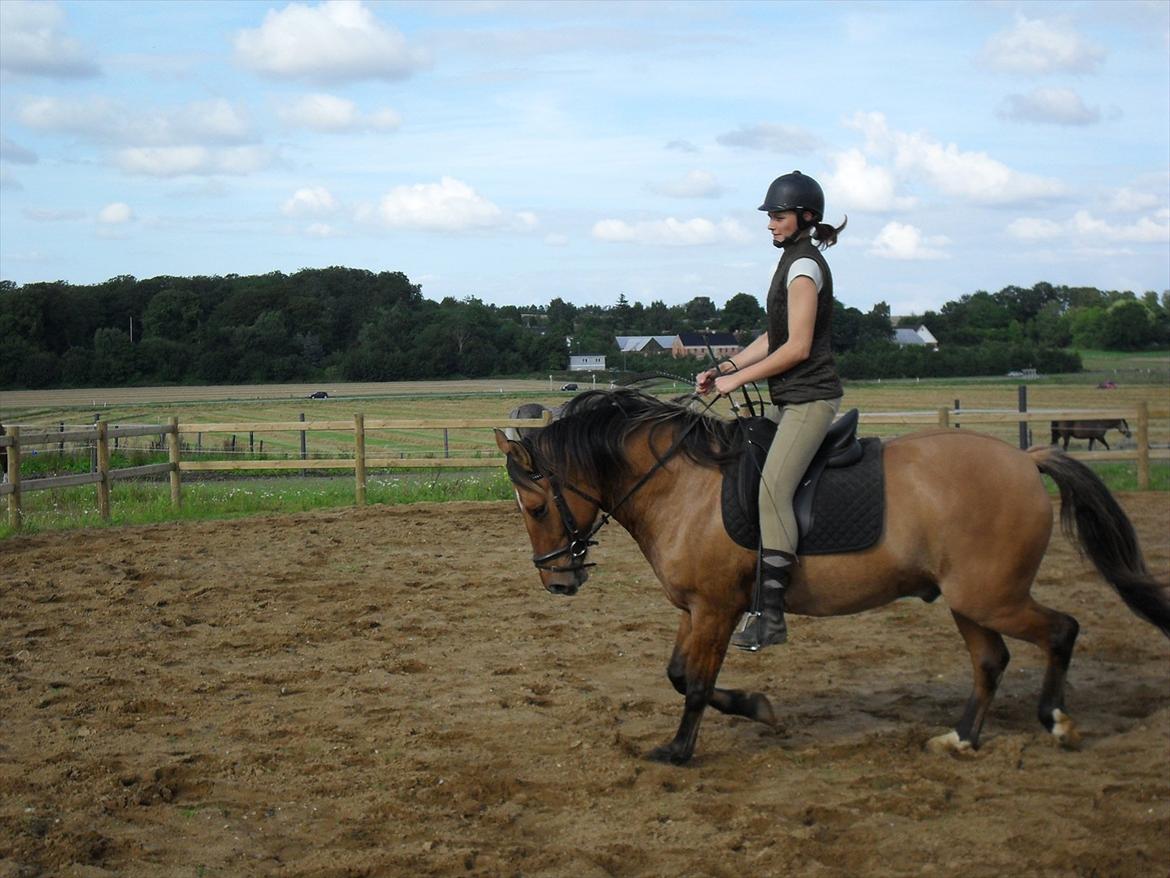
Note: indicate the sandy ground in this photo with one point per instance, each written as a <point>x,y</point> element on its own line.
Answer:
<point>388,691</point>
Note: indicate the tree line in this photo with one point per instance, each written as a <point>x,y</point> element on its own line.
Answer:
<point>345,324</point>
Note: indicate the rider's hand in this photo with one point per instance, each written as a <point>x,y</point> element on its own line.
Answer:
<point>704,381</point>
<point>725,385</point>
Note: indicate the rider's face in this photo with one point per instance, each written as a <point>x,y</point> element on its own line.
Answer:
<point>782,224</point>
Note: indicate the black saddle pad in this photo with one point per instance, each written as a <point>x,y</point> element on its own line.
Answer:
<point>846,512</point>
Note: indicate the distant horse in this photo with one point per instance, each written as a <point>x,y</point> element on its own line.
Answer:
<point>967,516</point>
<point>1093,430</point>
<point>533,410</point>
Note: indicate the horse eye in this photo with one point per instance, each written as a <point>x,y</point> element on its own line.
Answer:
<point>539,512</point>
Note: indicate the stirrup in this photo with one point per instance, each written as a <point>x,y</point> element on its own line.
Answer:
<point>752,634</point>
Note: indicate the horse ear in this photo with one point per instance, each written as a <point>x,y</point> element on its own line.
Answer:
<point>514,450</point>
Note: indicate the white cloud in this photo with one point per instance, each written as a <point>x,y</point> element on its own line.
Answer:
<point>974,176</point>
<point>32,42</point>
<point>784,139</point>
<point>335,41</point>
<point>1126,200</point>
<point>176,161</point>
<point>1083,226</point>
<point>15,153</point>
<point>310,201</point>
<point>115,214</point>
<point>212,121</point>
<point>1056,106</point>
<point>670,232</point>
<point>449,205</point>
<point>905,242</point>
<point>323,112</point>
<point>320,230</point>
<point>694,184</point>
<point>1034,46</point>
<point>860,186</point>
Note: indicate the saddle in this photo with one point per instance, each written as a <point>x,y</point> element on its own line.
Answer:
<point>840,503</point>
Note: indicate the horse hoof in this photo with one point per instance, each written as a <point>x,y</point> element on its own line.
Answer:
<point>1064,730</point>
<point>950,744</point>
<point>667,754</point>
<point>762,710</point>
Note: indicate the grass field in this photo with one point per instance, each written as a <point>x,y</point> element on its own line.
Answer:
<point>1144,377</point>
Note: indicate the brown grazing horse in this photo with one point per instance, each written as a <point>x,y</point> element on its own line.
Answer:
<point>966,515</point>
<point>1093,430</point>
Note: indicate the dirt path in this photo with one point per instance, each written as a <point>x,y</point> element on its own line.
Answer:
<point>388,691</point>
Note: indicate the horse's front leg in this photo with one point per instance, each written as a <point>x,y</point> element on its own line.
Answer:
<point>699,649</point>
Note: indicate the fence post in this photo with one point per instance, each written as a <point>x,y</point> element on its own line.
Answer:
<point>957,408</point>
<point>1143,449</point>
<point>15,515</point>
<point>944,417</point>
<point>359,458</point>
<point>103,455</point>
<point>176,479</point>
<point>93,452</point>
<point>60,429</point>
<point>1022,395</point>
<point>304,446</point>
<point>446,443</point>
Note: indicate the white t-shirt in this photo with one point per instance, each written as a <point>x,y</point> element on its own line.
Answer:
<point>807,268</point>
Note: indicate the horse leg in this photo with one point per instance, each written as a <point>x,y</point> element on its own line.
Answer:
<point>736,702</point>
<point>1103,442</point>
<point>1056,634</point>
<point>696,666</point>
<point>989,658</point>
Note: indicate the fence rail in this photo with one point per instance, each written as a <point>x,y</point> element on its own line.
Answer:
<point>101,433</point>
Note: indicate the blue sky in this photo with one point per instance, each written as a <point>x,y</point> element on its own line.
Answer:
<point>518,152</point>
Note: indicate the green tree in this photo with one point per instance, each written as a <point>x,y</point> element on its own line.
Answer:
<point>1128,326</point>
<point>742,312</point>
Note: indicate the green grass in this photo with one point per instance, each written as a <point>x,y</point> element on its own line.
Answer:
<point>149,502</point>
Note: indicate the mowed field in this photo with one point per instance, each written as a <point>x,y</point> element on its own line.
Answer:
<point>490,398</point>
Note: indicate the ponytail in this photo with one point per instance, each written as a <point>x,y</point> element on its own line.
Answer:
<point>825,234</point>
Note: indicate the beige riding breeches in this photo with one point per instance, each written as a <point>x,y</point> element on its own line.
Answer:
<point>801,430</point>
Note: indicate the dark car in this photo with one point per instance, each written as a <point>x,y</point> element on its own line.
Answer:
<point>318,394</point>
<point>568,387</point>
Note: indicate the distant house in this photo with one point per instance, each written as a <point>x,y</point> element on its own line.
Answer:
<point>920,337</point>
<point>695,344</point>
<point>586,362</point>
<point>644,344</point>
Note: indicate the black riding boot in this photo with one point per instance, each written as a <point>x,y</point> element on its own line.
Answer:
<point>767,627</point>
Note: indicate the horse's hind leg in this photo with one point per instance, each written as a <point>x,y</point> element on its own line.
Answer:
<point>989,658</point>
<point>1056,634</point>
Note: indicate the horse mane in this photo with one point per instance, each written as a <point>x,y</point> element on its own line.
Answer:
<point>589,438</point>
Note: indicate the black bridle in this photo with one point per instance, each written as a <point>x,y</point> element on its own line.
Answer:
<point>578,541</point>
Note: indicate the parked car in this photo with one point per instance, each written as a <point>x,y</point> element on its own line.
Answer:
<point>318,394</point>
<point>568,387</point>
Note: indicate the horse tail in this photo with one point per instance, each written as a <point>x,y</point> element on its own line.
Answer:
<point>1094,521</point>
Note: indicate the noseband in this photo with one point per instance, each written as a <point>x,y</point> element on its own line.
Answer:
<point>577,546</point>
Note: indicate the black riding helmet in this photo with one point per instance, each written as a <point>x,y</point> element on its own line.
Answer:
<point>797,192</point>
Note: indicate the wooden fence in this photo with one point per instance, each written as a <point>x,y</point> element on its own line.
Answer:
<point>102,433</point>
